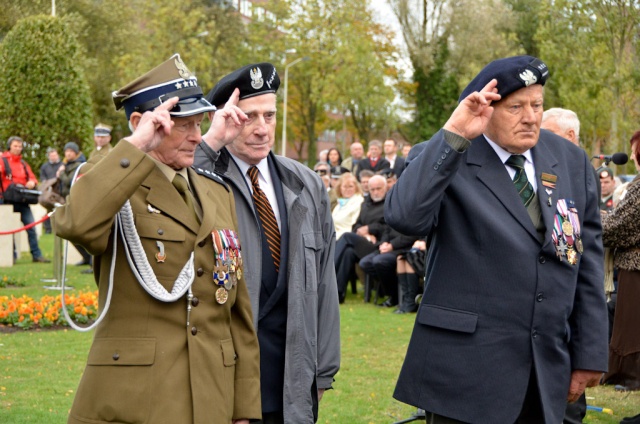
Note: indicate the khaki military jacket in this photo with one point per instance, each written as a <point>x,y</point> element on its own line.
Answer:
<point>146,365</point>
<point>100,153</point>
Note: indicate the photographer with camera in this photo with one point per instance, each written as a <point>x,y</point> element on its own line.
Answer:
<point>16,175</point>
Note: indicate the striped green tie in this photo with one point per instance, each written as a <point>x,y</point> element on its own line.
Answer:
<point>524,187</point>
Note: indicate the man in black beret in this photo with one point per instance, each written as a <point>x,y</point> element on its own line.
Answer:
<point>513,321</point>
<point>287,238</point>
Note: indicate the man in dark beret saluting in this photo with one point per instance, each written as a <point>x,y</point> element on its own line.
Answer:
<point>177,343</point>
<point>287,239</point>
<point>513,320</point>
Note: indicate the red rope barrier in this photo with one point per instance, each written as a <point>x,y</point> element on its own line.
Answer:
<point>26,227</point>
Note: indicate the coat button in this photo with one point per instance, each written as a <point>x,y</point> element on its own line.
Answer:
<point>195,302</point>
<point>534,334</point>
<point>199,272</point>
<point>443,157</point>
<point>542,259</point>
<point>125,163</point>
<point>194,330</point>
<point>116,356</point>
<point>439,162</point>
<point>447,150</point>
<point>160,231</point>
<point>435,168</point>
<point>540,296</point>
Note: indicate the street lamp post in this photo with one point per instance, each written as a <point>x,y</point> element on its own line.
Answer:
<point>284,107</point>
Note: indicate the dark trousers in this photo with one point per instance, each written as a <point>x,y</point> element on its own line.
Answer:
<point>350,248</point>
<point>576,411</point>
<point>26,216</point>
<point>272,418</point>
<point>383,267</point>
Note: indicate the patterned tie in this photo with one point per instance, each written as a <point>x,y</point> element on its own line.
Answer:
<point>524,187</point>
<point>180,183</point>
<point>267,217</point>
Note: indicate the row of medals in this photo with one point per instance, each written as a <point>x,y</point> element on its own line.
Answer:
<point>566,243</point>
<point>226,274</point>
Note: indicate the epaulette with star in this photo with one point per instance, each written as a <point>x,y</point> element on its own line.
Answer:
<point>212,176</point>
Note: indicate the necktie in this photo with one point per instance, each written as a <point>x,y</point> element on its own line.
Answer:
<point>267,217</point>
<point>524,187</point>
<point>180,183</point>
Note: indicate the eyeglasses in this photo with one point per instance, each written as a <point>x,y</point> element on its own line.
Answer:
<point>321,172</point>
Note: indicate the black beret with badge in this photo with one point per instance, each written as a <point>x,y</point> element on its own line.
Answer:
<point>170,79</point>
<point>251,80</point>
<point>512,74</point>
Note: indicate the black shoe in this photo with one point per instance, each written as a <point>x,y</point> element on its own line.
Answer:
<point>42,259</point>
<point>81,263</point>
<point>631,420</point>
<point>86,271</point>
<point>399,311</point>
<point>389,303</point>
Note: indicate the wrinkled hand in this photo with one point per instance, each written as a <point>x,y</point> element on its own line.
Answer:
<point>472,115</point>
<point>153,127</point>
<point>226,124</point>
<point>240,421</point>
<point>30,184</point>
<point>581,379</point>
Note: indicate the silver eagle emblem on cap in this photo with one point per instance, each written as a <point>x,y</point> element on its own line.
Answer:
<point>256,78</point>
<point>528,78</point>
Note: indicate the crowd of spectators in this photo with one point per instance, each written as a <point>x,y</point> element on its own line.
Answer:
<point>366,247</point>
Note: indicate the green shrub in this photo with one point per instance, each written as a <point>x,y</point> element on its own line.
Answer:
<point>45,95</point>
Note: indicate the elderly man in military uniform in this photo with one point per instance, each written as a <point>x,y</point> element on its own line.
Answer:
<point>102,138</point>
<point>177,344</point>
<point>287,229</point>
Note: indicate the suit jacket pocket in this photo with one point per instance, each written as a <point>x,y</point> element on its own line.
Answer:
<point>312,246</point>
<point>447,318</point>
<point>117,383</point>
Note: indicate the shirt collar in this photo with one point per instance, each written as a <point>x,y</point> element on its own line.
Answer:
<point>263,167</point>
<point>503,154</point>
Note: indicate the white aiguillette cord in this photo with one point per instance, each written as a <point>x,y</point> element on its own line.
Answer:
<point>138,262</point>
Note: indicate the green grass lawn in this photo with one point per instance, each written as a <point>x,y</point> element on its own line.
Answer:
<point>40,370</point>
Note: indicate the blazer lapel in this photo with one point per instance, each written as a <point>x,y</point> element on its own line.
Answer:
<point>493,174</point>
<point>546,163</point>
<point>207,202</point>
<point>163,195</point>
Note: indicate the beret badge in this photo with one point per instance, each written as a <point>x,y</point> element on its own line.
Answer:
<point>256,78</point>
<point>528,78</point>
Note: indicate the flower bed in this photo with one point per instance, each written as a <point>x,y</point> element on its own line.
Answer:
<point>26,313</point>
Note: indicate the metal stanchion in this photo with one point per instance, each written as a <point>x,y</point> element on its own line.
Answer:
<point>58,258</point>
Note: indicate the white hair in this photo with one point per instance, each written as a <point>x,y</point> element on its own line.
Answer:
<point>565,119</point>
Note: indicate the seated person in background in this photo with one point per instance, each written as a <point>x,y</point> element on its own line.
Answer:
<point>381,263</point>
<point>366,233</point>
<point>350,199</point>
<point>410,267</point>
<point>364,176</point>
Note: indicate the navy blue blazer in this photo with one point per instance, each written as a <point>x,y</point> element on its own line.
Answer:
<point>497,302</point>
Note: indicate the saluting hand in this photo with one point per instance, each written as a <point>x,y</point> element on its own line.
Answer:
<point>152,126</point>
<point>472,115</point>
<point>226,123</point>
